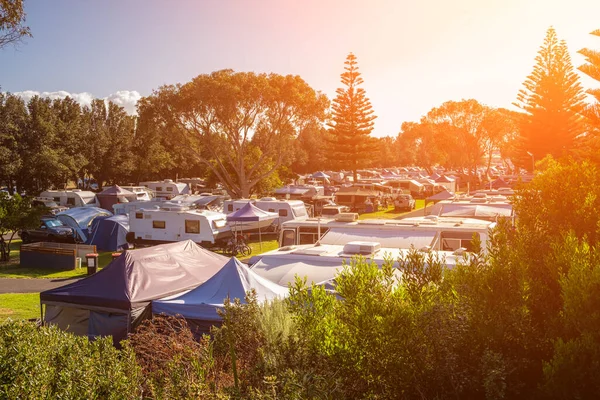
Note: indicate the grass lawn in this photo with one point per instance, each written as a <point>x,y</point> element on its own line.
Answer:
<point>19,306</point>
<point>390,213</point>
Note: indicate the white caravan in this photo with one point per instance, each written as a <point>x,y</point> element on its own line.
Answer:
<point>478,206</point>
<point>173,223</point>
<point>167,189</point>
<point>72,198</point>
<point>321,263</point>
<point>435,233</point>
<point>287,210</point>
<point>142,193</point>
<point>201,202</point>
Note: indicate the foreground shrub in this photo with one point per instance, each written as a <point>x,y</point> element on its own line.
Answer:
<point>174,364</point>
<point>47,363</point>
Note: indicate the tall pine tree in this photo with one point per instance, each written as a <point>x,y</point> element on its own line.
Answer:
<point>590,145</point>
<point>552,99</point>
<point>352,146</point>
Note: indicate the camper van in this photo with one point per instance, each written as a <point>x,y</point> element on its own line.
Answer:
<point>288,210</point>
<point>167,189</point>
<point>174,222</point>
<point>72,198</point>
<point>436,233</point>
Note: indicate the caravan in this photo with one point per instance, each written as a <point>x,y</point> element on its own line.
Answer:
<point>167,189</point>
<point>72,198</point>
<point>176,222</point>
<point>437,233</point>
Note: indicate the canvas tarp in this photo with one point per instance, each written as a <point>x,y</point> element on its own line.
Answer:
<point>387,238</point>
<point>487,211</point>
<point>109,233</point>
<point>234,280</point>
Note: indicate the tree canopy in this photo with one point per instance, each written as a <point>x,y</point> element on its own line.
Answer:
<point>12,23</point>
<point>239,125</point>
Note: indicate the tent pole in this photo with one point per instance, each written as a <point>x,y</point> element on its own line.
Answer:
<point>259,236</point>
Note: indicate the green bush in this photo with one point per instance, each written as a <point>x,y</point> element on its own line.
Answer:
<point>47,363</point>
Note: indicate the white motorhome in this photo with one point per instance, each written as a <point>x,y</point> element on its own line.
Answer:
<point>72,198</point>
<point>436,233</point>
<point>167,189</point>
<point>287,210</point>
<point>174,222</point>
<point>321,263</point>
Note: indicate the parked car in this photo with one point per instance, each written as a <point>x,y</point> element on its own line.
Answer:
<point>404,202</point>
<point>332,210</point>
<point>49,230</point>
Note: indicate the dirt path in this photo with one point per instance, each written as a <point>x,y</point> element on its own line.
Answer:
<point>10,285</point>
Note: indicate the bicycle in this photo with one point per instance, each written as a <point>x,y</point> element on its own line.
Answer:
<point>237,246</point>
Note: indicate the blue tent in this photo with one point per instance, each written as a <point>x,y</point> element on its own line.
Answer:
<point>199,306</point>
<point>109,233</point>
<point>80,219</point>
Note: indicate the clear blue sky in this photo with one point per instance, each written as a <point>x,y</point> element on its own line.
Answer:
<point>413,55</point>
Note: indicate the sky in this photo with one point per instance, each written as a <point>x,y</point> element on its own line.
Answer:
<point>413,55</point>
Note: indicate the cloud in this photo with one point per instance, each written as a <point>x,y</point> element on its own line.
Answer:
<point>124,98</point>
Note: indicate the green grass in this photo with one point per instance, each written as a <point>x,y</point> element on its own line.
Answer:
<point>390,213</point>
<point>19,306</point>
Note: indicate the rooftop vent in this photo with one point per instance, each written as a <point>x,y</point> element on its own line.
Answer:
<point>362,248</point>
<point>268,199</point>
<point>346,217</point>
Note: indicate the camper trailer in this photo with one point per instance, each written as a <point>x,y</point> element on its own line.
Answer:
<point>287,210</point>
<point>167,189</point>
<point>480,206</point>
<point>72,198</point>
<point>142,193</point>
<point>321,263</point>
<point>176,222</point>
<point>438,233</point>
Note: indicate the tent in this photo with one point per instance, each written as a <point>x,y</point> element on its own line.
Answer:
<point>283,270</point>
<point>108,233</point>
<point>81,218</point>
<point>499,183</point>
<point>320,175</point>
<point>444,195</point>
<point>199,306</point>
<point>114,195</point>
<point>251,213</point>
<point>113,301</point>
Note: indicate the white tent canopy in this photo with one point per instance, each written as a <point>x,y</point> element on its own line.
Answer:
<point>234,280</point>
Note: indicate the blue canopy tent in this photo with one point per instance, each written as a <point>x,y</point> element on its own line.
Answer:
<point>80,219</point>
<point>109,233</point>
<point>199,306</point>
<point>250,212</point>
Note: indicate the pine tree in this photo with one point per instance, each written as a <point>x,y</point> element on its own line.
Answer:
<point>552,99</point>
<point>590,145</point>
<point>352,145</point>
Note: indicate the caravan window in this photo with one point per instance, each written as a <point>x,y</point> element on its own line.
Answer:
<point>169,189</point>
<point>56,199</point>
<point>71,201</point>
<point>158,224</point>
<point>288,237</point>
<point>139,215</point>
<point>283,213</point>
<point>230,207</point>
<point>192,226</point>
<point>454,240</point>
<point>299,211</point>
<point>271,210</point>
<point>159,188</point>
